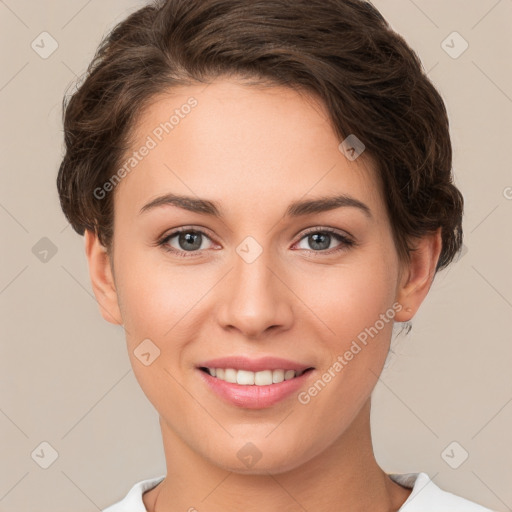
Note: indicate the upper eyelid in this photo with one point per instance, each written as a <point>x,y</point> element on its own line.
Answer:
<point>325,229</point>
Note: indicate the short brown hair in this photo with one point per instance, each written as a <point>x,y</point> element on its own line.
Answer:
<point>342,51</point>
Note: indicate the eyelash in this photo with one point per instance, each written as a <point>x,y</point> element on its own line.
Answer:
<point>346,242</point>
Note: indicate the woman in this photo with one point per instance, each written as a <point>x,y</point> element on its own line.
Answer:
<point>265,188</point>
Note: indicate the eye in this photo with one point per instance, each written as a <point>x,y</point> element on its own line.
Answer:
<point>319,240</point>
<point>187,242</point>
<point>183,241</point>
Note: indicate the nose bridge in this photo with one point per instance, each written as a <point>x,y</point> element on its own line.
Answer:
<point>254,298</point>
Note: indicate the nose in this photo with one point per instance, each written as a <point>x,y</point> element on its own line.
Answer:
<point>255,299</point>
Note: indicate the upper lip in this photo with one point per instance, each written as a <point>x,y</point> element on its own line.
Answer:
<point>254,365</point>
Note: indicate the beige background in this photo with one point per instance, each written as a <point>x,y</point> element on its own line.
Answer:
<point>65,377</point>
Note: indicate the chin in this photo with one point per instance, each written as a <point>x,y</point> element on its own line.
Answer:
<point>253,458</point>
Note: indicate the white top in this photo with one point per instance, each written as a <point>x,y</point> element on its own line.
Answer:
<point>426,496</point>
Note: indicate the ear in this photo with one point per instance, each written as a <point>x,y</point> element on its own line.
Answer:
<point>417,275</point>
<point>102,278</point>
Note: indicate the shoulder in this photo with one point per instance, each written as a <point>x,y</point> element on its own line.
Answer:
<point>133,502</point>
<point>426,496</point>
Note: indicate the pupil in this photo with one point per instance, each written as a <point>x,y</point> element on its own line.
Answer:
<point>190,238</point>
<point>315,239</point>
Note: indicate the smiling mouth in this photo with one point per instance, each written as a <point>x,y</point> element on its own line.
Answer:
<point>248,378</point>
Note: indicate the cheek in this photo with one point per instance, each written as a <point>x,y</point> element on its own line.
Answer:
<point>349,298</point>
<point>155,301</point>
<point>156,296</point>
<point>357,307</point>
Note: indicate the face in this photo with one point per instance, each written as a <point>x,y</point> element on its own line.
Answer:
<point>245,276</point>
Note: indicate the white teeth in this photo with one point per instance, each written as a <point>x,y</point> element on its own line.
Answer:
<point>277,376</point>
<point>289,374</point>
<point>248,378</point>
<point>230,375</point>
<point>263,378</point>
<point>244,377</point>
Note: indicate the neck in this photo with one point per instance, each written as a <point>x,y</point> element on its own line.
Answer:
<point>345,476</point>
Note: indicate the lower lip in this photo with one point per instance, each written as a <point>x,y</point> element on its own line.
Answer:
<point>252,396</point>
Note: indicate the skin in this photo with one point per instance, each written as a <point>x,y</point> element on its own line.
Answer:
<point>254,150</point>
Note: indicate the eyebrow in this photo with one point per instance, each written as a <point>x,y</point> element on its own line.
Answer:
<point>295,209</point>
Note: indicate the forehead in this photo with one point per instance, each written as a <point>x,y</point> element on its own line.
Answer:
<point>251,144</point>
